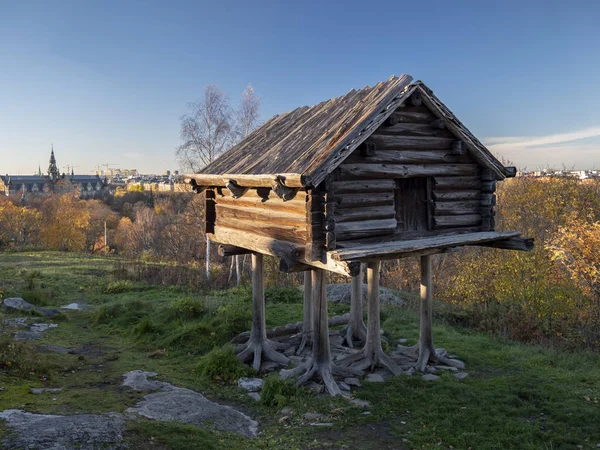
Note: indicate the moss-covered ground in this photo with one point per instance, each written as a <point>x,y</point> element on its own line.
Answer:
<point>515,396</point>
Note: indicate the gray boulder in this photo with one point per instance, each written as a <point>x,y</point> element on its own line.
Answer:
<point>341,293</point>
<point>50,432</point>
<point>138,381</point>
<point>251,384</point>
<point>18,304</point>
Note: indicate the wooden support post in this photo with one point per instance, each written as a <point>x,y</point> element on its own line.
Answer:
<point>307,326</point>
<point>424,351</point>
<point>357,330</point>
<point>258,347</point>
<point>320,366</point>
<point>372,354</point>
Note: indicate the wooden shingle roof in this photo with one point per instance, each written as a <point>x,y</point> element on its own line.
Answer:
<point>303,146</point>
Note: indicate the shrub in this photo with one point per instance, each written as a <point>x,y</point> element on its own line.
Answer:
<point>187,308</point>
<point>283,295</point>
<point>119,287</point>
<point>220,364</point>
<point>40,296</point>
<point>278,391</point>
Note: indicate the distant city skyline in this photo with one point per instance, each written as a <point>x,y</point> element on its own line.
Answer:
<point>107,82</point>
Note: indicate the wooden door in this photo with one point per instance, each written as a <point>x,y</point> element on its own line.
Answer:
<point>412,204</point>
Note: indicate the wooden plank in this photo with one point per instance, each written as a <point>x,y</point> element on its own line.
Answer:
<point>456,207</point>
<point>452,182</point>
<point>403,116</point>
<point>358,200</point>
<point>271,216</point>
<point>280,232</point>
<point>392,142</point>
<point>408,170</point>
<point>296,206</point>
<point>365,213</point>
<point>466,220</point>
<point>457,195</point>
<point>357,230</point>
<point>364,186</point>
<point>399,247</point>
<point>515,243</point>
<point>411,129</point>
<point>410,157</point>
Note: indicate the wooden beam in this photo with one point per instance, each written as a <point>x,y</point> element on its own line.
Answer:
<point>510,171</point>
<point>410,157</point>
<point>232,250</point>
<point>397,248</point>
<point>282,191</point>
<point>515,243</point>
<point>457,195</point>
<point>438,123</point>
<point>408,170</point>
<point>365,213</point>
<point>393,142</point>
<point>264,180</point>
<point>273,217</point>
<point>459,148</point>
<point>363,186</point>
<point>356,200</point>
<point>465,220</point>
<point>403,116</point>
<point>453,182</point>
<point>236,191</point>
<point>411,129</point>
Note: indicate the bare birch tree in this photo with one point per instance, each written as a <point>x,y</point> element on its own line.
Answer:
<point>206,131</point>
<point>246,121</point>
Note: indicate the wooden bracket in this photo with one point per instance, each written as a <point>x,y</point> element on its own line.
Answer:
<point>197,189</point>
<point>231,250</point>
<point>282,191</point>
<point>263,193</point>
<point>236,190</point>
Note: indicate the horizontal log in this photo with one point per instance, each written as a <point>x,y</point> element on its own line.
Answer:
<point>365,213</point>
<point>271,216</point>
<point>457,195</point>
<point>411,129</point>
<point>402,116</point>
<point>516,243</point>
<point>358,200</point>
<point>410,157</point>
<point>232,250</point>
<point>407,235</point>
<point>280,232</point>
<point>408,170</point>
<point>289,329</point>
<point>488,187</point>
<point>456,207</point>
<point>510,171</point>
<point>266,180</point>
<point>466,220</point>
<point>450,182</point>
<point>488,200</point>
<point>364,186</point>
<point>397,248</point>
<point>392,142</point>
<point>287,251</point>
<point>361,229</point>
<point>459,148</point>
<point>296,206</point>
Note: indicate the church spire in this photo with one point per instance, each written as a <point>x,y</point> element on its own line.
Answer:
<point>53,172</point>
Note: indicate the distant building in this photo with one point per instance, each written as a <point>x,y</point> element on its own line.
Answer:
<point>89,186</point>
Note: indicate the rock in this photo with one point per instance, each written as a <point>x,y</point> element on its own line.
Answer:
<point>286,411</point>
<point>322,424</point>
<point>254,396</point>
<point>447,368</point>
<point>187,406</point>
<point>352,382</point>
<point>42,327</point>
<point>18,304</point>
<point>27,336</point>
<point>291,350</point>
<point>316,387</point>
<point>360,403</point>
<point>76,306</point>
<point>38,391</point>
<point>410,371</point>
<point>385,373</point>
<point>251,384</point>
<point>374,378</point>
<point>138,381</point>
<point>340,293</point>
<point>54,349</point>
<point>431,369</point>
<point>441,352</point>
<point>19,322</point>
<point>402,341</point>
<point>343,386</point>
<point>461,375</point>
<point>312,416</point>
<point>430,377</point>
<point>50,432</point>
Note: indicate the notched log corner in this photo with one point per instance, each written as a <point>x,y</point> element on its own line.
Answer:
<point>282,191</point>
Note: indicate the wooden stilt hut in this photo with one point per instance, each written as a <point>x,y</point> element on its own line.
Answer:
<point>383,172</point>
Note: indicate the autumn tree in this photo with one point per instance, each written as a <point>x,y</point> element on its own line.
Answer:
<point>66,219</point>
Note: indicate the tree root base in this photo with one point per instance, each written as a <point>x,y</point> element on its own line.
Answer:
<point>321,372</point>
<point>369,359</point>
<point>260,351</point>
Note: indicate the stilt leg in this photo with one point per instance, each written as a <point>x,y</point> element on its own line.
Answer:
<point>357,329</point>
<point>307,326</point>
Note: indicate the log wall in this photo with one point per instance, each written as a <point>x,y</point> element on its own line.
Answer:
<point>413,143</point>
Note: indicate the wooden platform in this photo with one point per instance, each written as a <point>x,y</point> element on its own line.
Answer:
<point>399,249</point>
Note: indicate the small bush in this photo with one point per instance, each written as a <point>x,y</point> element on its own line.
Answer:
<point>279,392</point>
<point>283,295</point>
<point>39,296</point>
<point>119,287</point>
<point>187,308</point>
<point>220,364</point>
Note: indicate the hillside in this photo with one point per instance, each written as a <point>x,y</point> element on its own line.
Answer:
<point>515,396</point>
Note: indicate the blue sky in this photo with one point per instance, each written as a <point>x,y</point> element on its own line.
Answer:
<point>106,82</point>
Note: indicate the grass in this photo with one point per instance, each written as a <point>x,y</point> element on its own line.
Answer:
<point>516,396</point>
